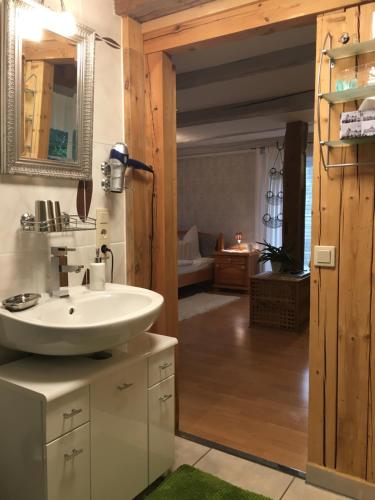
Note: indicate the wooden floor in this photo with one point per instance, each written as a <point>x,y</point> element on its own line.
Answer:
<point>246,388</point>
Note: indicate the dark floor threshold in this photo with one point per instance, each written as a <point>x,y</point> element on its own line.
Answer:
<point>242,454</point>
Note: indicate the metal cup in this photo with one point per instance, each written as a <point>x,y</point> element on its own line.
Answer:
<point>51,217</point>
<point>41,216</point>
<point>58,218</point>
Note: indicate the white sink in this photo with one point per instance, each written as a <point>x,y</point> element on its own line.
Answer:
<point>84,323</point>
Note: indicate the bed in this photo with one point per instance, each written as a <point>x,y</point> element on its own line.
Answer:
<point>199,270</point>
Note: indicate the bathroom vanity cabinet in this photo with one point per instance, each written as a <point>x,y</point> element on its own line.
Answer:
<point>88,429</point>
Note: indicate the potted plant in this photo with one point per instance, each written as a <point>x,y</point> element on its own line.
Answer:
<point>278,256</point>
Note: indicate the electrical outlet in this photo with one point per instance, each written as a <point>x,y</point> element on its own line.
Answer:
<point>103,236</point>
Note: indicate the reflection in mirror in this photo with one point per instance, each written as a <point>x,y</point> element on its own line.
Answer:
<point>49,98</point>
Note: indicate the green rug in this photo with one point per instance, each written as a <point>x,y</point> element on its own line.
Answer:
<point>188,483</point>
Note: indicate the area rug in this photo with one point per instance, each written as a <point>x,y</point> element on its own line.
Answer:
<point>188,483</point>
<point>201,303</point>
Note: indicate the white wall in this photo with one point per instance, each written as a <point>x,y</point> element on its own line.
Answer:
<point>220,194</point>
<point>24,258</point>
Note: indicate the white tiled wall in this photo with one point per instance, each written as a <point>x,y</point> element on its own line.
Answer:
<point>24,258</point>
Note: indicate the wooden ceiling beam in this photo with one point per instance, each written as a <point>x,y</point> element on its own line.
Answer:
<point>49,51</point>
<point>145,10</point>
<point>249,109</point>
<point>271,61</point>
<point>223,18</point>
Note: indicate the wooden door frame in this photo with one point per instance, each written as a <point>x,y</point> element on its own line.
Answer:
<point>150,126</point>
<point>149,132</point>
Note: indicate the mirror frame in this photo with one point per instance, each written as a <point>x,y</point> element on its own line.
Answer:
<point>11,84</point>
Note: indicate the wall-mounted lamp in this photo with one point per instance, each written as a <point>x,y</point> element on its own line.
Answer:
<point>114,169</point>
<point>38,18</point>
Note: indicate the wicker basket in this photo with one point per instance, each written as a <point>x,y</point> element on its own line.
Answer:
<point>280,301</point>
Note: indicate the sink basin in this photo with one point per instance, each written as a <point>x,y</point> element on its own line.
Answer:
<point>84,323</point>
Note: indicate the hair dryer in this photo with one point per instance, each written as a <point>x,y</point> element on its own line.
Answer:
<point>114,169</point>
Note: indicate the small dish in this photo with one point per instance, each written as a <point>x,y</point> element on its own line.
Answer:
<point>21,302</point>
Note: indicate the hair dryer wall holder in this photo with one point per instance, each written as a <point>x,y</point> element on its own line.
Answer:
<point>106,181</point>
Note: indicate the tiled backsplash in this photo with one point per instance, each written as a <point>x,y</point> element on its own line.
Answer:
<point>24,258</point>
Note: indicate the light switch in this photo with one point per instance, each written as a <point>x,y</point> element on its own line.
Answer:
<point>324,256</point>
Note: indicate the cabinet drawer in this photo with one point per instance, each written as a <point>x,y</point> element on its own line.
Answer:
<point>161,404</point>
<point>160,366</point>
<point>238,260</point>
<point>231,275</point>
<point>67,413</point>
<point>68,466</point>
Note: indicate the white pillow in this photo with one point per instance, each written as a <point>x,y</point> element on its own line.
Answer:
<point>191,244</point>
<point>181,249</point>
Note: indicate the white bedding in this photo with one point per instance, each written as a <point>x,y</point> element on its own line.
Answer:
<point>196,265</point>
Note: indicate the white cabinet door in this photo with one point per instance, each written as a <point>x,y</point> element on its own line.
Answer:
<point>161,404</point>
<point>68,466</point>
<point>119,433</point>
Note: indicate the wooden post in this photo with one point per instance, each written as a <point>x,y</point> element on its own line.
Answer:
<point>294,189</point>
<point>139,194</point>
<point>161,154</point>
<point>37,108</point>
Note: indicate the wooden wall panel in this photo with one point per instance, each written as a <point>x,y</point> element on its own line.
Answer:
<point>341,405</point>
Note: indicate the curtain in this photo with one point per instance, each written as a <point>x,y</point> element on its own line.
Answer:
<point>269,206</point>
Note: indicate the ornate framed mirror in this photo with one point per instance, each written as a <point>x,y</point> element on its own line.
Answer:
<point>47,93</point>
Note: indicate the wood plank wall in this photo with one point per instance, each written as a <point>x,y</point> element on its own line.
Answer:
<point>341,423</point>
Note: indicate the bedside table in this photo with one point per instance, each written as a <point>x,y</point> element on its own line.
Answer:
<point>233,269</point>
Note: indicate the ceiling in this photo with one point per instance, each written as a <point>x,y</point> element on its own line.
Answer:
<point>240,91</point>
<point>146,10</point>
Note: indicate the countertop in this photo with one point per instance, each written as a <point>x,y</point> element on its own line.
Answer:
<point>51,377</point>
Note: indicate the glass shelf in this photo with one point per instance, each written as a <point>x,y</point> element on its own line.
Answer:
<point>351,49</point>
<point>344,143</point>
<point>349,95</point>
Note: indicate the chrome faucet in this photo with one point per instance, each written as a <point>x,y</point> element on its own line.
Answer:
<point>60,270</point>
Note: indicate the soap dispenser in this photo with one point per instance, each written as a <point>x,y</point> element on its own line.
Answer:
<point>97,273</point>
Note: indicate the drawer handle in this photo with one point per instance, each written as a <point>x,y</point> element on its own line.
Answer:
<point>73,413</point>
<point>165,365</point>
<point>73,455</point>
<point>165,398</point>
<point>124,386</point>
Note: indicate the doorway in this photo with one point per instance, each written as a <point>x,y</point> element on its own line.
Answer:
<point>339,396</point>
<point>245,389</point>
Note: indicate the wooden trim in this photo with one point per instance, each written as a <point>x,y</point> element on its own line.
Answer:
<point>224,18</point>
<point>339,483</point>
<point>250,109</point>
<point>271,61</point>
